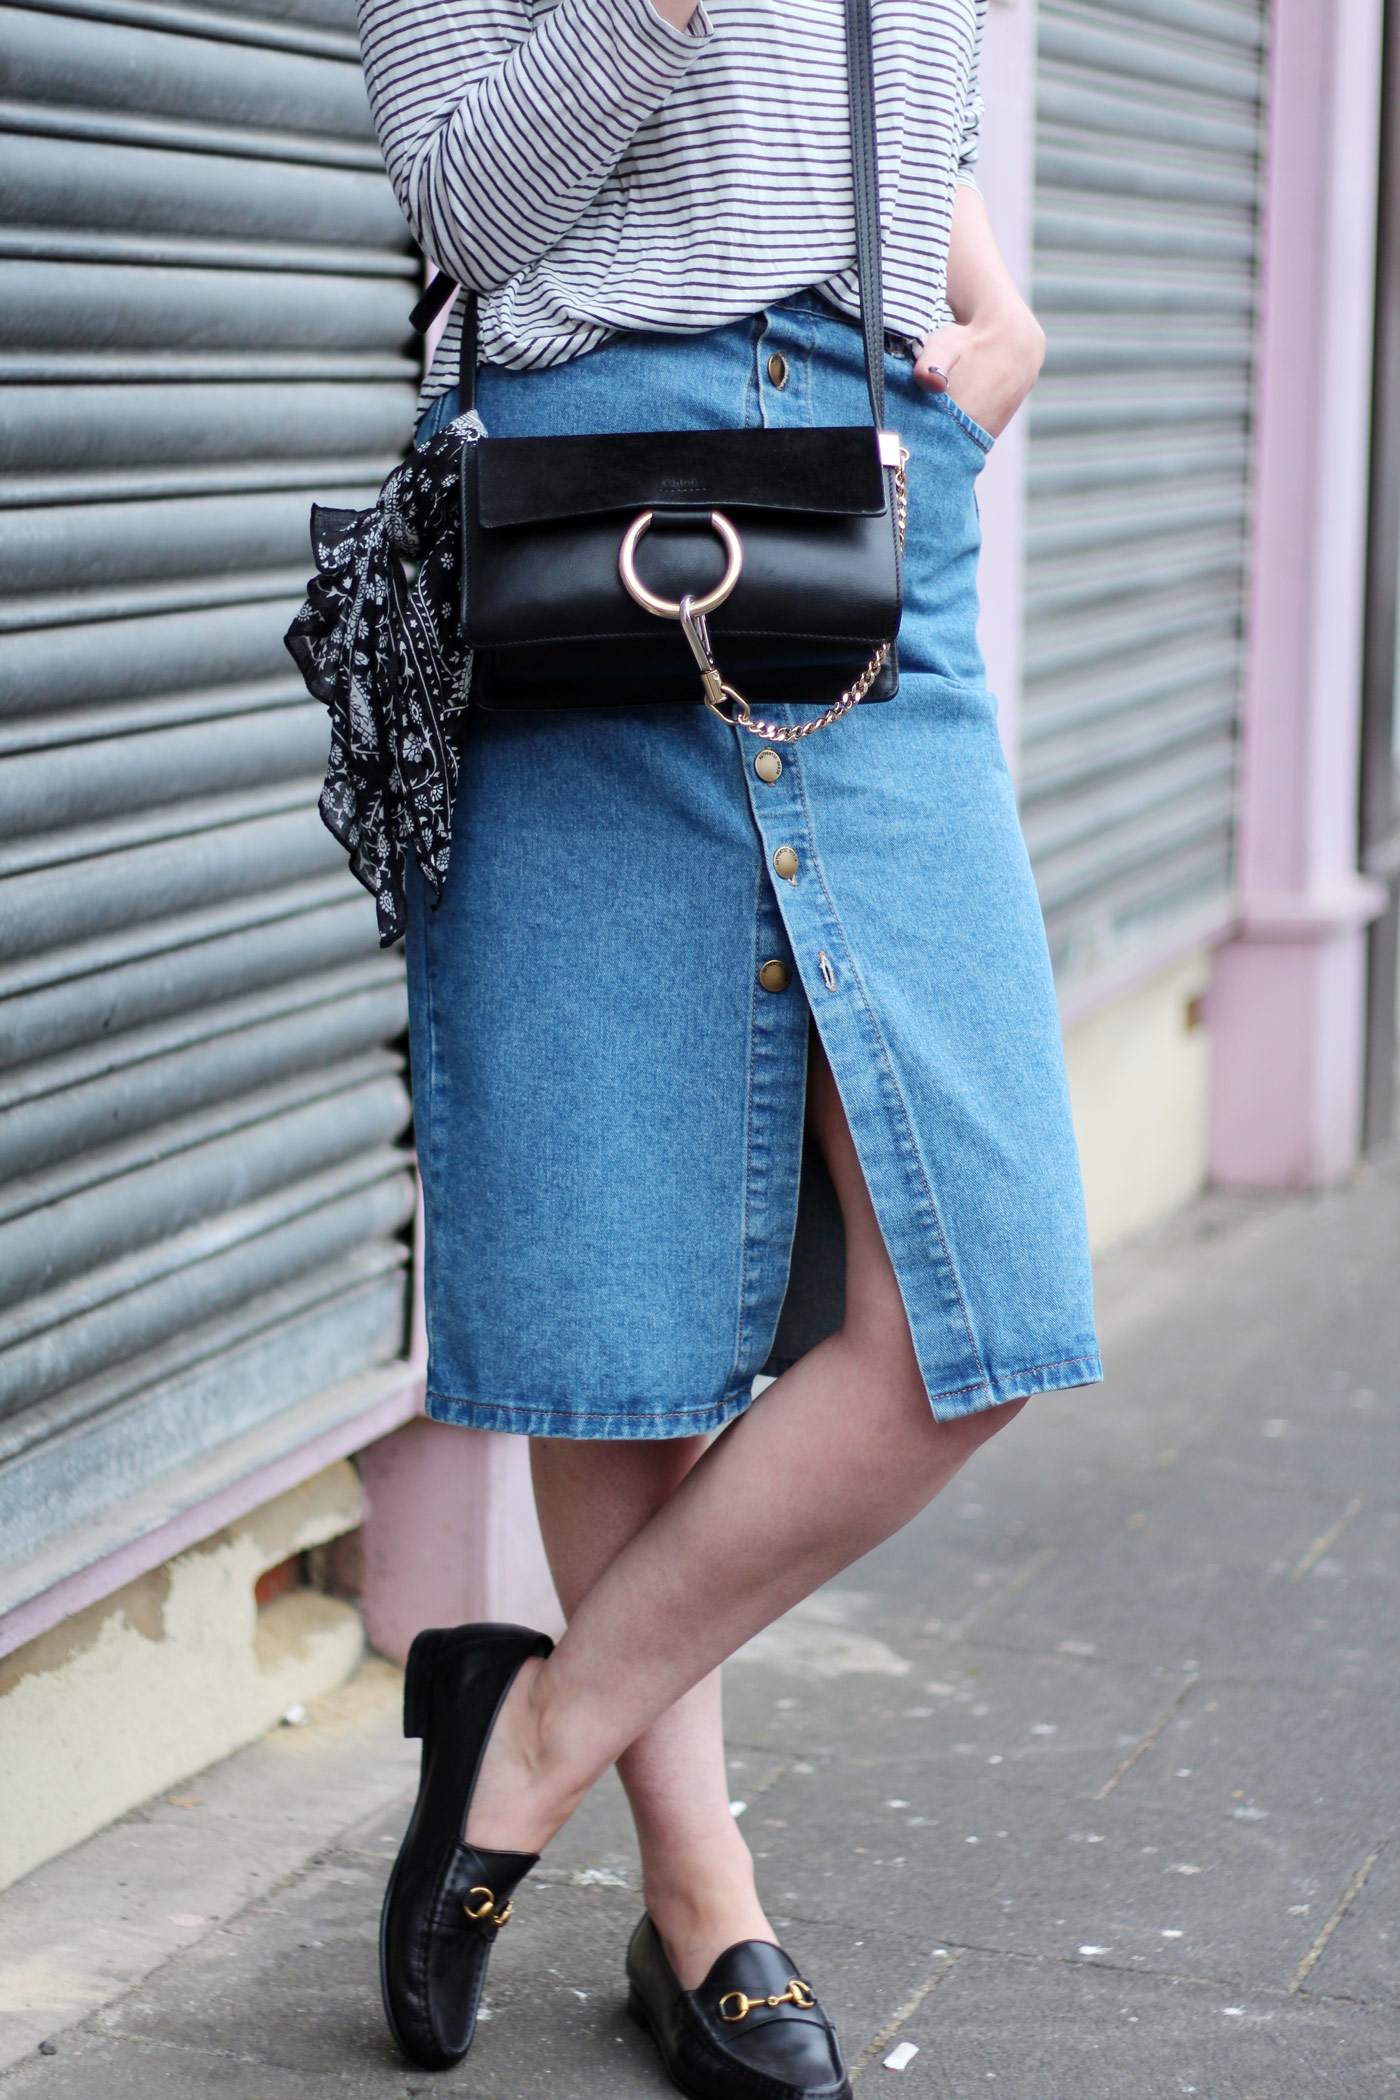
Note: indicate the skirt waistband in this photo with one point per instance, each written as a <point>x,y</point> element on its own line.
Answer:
<point>814,301</point>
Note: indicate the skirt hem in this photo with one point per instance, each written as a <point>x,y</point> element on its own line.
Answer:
<point>1018,1385</point>
<point>528,1418</point>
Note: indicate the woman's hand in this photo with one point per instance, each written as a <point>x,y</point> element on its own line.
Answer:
<point>989,364</point>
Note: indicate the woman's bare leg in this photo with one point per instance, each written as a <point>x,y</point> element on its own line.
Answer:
<point>697,1871</point>
<point>836,1455</point>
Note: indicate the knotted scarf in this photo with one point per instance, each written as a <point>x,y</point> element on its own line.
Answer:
<point>386,657</point>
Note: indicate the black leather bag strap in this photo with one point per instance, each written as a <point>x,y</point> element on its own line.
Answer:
<point>860,86</point>
<point>860,80</point>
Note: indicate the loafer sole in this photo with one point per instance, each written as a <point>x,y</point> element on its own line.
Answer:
<point>396,2032</point>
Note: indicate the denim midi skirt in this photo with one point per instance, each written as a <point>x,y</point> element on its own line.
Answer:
<point>609,1008</point>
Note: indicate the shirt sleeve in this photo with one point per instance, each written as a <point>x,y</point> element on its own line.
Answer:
<point>499,123</point>
<point>971,140</point>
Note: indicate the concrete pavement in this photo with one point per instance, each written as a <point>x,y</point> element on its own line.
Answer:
<point>1087,1785</point>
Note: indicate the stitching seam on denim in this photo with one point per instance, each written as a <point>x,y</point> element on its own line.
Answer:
<point>1088,1356</point>
<point>426,961</point>
<point>951,1392</point>
<point>753,395</point>
<point>520,1407</point>
<point>859,983</point>
<point>809,358</point>
<point>967,424</point>
<point>741,1309</point>
<point>625,1429</point>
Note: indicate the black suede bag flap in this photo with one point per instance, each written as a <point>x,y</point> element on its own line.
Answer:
<point>832,469</point>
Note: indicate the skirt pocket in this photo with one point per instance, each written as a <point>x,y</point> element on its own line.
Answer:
<point>968,425</point>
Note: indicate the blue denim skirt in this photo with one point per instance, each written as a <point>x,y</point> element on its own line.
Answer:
<point>624,1220</point>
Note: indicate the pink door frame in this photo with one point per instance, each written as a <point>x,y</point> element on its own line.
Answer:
<point>1006,177</point>
<point>1286,1005</point>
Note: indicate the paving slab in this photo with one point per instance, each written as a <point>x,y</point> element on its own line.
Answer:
<point>1358,1945</point>
<point>1064,1720</point>
<point>1284,1754</point>
<point>1048,2030</point>
<point>977,1862</point>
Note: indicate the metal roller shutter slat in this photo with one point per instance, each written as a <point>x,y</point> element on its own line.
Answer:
<point>81,62</point>
<point>112,1104</point>
<point>272,860</point>
<point>261,947</point>
<point>1128,53</point>
<point>1194,666</point>
<point>276,1369</point>
<point>267,33</point>
<point>72,782</point>
<point>1070,109</point>
<point>145,307</point>
<point>143,1208</point>
<point>116,189</point>
<point>82,1333</point>
<point>252,425</point>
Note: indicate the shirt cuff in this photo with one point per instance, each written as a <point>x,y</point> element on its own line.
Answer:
<point>699,29</point>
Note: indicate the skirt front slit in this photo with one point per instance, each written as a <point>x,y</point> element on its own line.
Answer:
<point>646,910</point>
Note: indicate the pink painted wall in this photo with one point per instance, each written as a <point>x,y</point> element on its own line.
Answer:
<point>449,1532</point>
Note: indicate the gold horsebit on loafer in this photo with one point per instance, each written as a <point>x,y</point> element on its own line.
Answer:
<point>797,1993</point>
<point>486,1908</point>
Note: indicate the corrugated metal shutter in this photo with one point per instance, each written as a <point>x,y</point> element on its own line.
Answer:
<point>204,1186</point>
<point>1150,131</point>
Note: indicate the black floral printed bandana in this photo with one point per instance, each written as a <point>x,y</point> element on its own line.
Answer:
<point>386,657</point>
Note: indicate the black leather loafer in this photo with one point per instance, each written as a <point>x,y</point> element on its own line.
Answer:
<point>752,2031</point>
<point>446,1900</point>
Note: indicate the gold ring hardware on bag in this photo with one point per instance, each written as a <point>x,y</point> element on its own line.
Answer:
<point>669,608</point>
<point>486,1908</point>
<point>691,611</point>
<point>797,1993</point>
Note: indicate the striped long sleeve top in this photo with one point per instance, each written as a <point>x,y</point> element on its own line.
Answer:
<point>585,166</point>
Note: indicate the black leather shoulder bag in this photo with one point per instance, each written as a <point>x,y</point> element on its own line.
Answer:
<point>777,553</point>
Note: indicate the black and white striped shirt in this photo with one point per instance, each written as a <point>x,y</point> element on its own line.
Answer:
<point>586,166</point>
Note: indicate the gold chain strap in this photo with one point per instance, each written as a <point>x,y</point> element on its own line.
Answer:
<point>691,612</point>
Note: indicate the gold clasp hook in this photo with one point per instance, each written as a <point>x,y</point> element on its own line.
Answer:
<point>797,1993</point>
<point>717,689</point>
<point>697,633</point>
